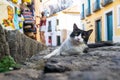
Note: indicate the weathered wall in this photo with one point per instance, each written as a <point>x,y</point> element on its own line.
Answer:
<point>4,47</point>
<point>18,45</point>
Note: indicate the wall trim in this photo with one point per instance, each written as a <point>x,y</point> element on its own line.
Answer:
<point>118,18</point>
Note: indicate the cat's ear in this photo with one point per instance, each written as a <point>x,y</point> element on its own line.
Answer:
<point>90,31</point>
<point>75,26</point>
<point>86,35</point>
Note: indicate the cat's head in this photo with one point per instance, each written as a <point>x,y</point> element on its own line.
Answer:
<point>80,36</point>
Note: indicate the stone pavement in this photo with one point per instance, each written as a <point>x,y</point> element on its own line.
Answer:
<point>101,63</point>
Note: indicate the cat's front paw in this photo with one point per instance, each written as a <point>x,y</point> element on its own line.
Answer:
<point>46,57</point>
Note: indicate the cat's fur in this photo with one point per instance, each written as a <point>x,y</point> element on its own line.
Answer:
<point>74,44</point>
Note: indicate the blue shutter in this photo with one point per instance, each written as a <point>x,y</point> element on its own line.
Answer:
<point>89,7</point>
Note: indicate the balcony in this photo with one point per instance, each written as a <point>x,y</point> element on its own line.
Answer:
<point>88,12</point>
<point>106,2</point>
<point>82,16</point>
<point>96,6</point>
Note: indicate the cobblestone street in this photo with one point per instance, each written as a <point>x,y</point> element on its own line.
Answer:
<point>101,63</point>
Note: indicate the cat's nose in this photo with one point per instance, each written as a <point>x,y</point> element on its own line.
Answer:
<point>78,39</point>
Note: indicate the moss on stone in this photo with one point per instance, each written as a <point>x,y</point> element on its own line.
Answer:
<point>7,63</point>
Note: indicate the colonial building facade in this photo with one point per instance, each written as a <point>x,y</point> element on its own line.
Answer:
<point>104,17</point>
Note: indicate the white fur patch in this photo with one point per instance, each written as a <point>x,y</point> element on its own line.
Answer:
<point>69,47</point>
<point>79,38</point>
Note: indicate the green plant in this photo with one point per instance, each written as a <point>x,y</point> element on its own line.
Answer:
<point>7,63</point>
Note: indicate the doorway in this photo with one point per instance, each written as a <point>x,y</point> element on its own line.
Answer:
<point>98,30</point>
<point>109,26</point>
<point>58,40</point>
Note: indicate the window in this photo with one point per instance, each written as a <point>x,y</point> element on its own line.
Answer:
<point>118,16</point>
<point>49,26</point>
<point>89,5</point>
<point>96,5</point>
<point>83,8</point>
<point>82,13</point>
<point>88,10</point>
<point>57,25</point>
<point>57,21</point>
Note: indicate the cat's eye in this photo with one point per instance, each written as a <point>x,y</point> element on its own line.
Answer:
<point>83,36</point>
<point>76,34</point>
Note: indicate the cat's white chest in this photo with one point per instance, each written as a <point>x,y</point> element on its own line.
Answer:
<point>70,49</point>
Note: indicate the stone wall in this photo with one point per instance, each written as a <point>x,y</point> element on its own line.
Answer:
<point>4,47</point>
<point>18,45</point>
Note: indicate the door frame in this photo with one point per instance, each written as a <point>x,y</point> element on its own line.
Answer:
<point>105,24</point>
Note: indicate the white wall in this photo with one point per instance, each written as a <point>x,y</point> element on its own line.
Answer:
<point>66,21</point>
<point>53,33</point>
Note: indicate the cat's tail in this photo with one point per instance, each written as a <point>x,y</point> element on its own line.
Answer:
<point>56,52</point>
<point>100,44</point>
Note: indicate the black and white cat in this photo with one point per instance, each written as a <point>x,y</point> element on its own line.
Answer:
<point>75,44</point>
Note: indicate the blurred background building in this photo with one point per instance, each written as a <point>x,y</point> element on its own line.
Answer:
<point>104,17</point>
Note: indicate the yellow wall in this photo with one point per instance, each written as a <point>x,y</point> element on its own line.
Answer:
<point>117,30</point>
<point>90,20</point>
<point>37,18</point>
